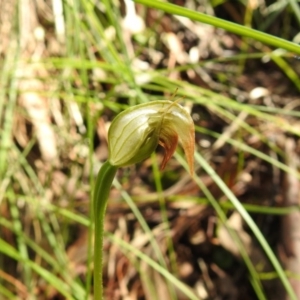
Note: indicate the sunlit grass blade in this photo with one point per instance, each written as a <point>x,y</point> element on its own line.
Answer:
<point>249,221</point>
<point>157,250</point>
<point>7,79</point>
<point>57,283</point>
<point>244,147</point>
<point>255,280</point>
<point>231,27</point>
<point>132,250</point>
<point>53,264</point>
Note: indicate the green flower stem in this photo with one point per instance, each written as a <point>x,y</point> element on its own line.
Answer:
<point>102,188</point>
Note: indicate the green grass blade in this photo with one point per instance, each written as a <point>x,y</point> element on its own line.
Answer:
<point>229,26</point>
<point>132,250</point>
<point>255,279</point>
<point>57,283</point>
<point>249,221</point>
<point>295,7</point>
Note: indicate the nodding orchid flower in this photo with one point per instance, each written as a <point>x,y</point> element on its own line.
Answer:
<point>135,133</point>
<point>133,136</point>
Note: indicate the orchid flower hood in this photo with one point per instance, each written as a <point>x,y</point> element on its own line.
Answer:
<point>135,133</point>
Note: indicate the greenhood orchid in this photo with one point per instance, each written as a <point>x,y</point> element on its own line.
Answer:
<point>135,133</point>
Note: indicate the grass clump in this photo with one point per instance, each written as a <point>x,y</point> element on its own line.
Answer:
<point>68,72</point>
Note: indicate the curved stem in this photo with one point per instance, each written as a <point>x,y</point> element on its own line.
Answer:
<point>102,188</point>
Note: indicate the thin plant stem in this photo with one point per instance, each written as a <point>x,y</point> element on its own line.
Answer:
<point>102,188</point>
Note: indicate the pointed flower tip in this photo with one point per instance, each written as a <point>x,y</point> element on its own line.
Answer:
<point>188,146</point>
<point>135,133</point>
